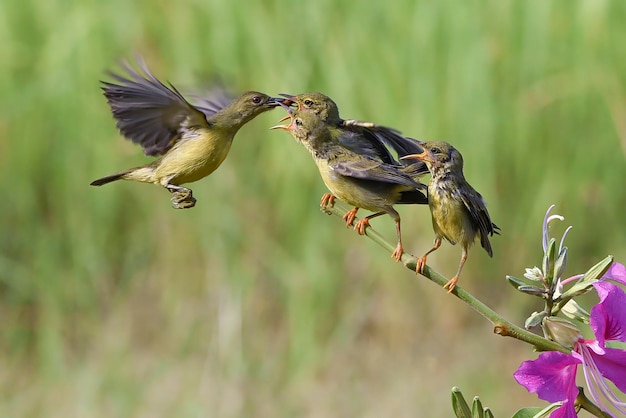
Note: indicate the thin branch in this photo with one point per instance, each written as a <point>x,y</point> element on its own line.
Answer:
<point>501,325</point>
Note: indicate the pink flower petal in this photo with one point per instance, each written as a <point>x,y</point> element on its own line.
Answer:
<point>617,273</point>
<point>608,317</point>
<point>612,365</point>
<point>552,376</point>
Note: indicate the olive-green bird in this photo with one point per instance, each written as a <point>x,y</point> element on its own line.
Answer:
<point>459,213</point>
<point>191,140</point>
<point>365,138</point>
<point>359,180</point>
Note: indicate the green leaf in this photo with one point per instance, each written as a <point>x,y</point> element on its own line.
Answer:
<point>536,412</point>
<point>459,405</point>
<point>515,282</point>
<point>488,413</point>
<point>532,290</point>
<point>477,408</point>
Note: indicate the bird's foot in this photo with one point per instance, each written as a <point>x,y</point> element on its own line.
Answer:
<point>327,200</point>
<point>397,253</point>
<point>361,225</point>
<point>183,199</point>
<point>451,284</point>
<point>420,264</point>
<point>350,216</point>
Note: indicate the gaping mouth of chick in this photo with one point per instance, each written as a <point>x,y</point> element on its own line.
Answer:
<point>289,116</point>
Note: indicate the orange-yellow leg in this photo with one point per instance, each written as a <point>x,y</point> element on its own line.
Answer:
<point>397,253</point>
<point>327,200</point>
<point>349,217</point>
<point>451,284</point>
<point>361,224</point>
<point>421,262</point>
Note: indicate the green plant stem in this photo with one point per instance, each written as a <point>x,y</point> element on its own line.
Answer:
<point>501,325</point>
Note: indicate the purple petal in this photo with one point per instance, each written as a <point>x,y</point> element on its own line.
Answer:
<point>608,317</point>
<point>552,376</point>
<point>617,273</point>
<point>565,411</point>
<point>612,365</point>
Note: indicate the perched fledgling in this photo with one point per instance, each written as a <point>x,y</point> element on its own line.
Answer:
<point>364,138</point>
<point>192,141</point>
<point>459,213</point>
<point>359,180</point>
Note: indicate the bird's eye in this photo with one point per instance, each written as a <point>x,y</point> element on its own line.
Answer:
<point>308,102</point>
<point>256,100</point>
<point>435,150</point>
<point>299,122</point>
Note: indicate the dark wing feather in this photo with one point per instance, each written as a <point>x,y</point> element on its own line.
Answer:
<point>378,142</point>
<point>366,168</point>
<point>215,99</point>
<point>477,209</point>
<point>148,112</point>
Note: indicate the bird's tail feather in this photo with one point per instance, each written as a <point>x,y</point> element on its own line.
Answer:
<point>144,174</point>
<point>108,179</point>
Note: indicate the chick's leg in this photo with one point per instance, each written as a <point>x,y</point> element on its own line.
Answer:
<point>365,222</point>
<point>327,200</point>
<point>349,217</point>
<point>421,262</point>
<point>397,253</point>
<point>451,284</point>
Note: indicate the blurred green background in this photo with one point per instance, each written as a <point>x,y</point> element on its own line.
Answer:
<point>254,303</point>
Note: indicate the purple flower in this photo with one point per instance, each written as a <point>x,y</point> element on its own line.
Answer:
<point>616,273</point>
<point>553,374</point>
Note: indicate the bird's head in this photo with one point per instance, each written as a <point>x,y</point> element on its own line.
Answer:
<point>318,103</point>
<point>252,103</point>
<point>438,155</point>
<point>306,127</point>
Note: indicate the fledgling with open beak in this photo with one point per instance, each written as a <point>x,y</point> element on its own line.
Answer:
<point>364,138</point>
<point>459,213</point>
<point>191,140</point>
<point>359,180</point>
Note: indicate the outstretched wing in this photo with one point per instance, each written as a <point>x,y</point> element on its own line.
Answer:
<point>148,112</point>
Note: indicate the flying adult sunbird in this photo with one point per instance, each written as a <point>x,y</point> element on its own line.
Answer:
<point>359,180</point>
<point>191,140</point>
<point>363,138</point>
<point>459,213</point>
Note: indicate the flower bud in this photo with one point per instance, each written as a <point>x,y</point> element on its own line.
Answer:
<point>561,330</point>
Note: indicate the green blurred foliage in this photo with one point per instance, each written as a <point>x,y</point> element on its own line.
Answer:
<point>254,303</point>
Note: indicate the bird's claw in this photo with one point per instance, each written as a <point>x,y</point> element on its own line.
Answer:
<point>397,253</point>
<point>420,264</point>
<point>361,225</point>
<point>327,200</point>
<point>350,216</point>
<point>183,199</point>
<point>451,284</point>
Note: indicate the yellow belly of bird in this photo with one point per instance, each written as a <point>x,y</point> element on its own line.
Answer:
<point>450,218</point>
<point>352,192</point>
<point>192,160</point>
